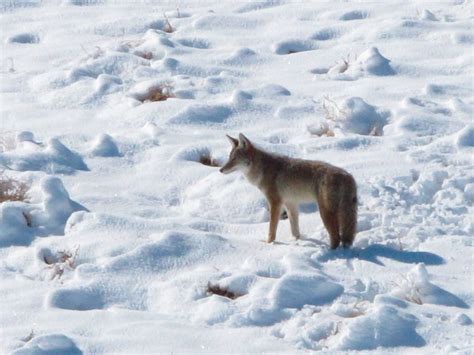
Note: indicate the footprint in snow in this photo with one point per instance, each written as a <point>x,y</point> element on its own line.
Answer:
<point>24,38</point>
<point>294,46</point>
<point>354,15</point>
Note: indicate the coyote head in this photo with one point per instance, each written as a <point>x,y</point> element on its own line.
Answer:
<point>240,156</point>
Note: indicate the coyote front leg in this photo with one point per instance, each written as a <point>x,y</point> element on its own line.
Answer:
<point>275,210</point>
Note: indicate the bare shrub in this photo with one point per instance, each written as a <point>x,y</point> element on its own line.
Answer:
<point>64,260</point>
<point>12,190</point>
<point>221,291</point>
<point>409,289</point>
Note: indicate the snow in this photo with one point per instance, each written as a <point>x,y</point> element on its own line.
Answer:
<point>104,146</point>
<point>130,240</point>
<point>21,221</point>
<point>49,344</point>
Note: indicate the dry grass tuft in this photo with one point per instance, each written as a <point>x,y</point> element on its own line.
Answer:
<point>207,159</point>
<point>158,93</point>
<point>359,308</point>
<point>144,54</point>
<point>331,109</point>
<point>98,52</point>
<point>321,130</point>
<point>12,190</point>
<point>7,142</point>
<point>133,43</point>
<point>221,291</point>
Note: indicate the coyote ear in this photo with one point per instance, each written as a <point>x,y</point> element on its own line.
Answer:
<point>232,141</point>
<point>244,141</point>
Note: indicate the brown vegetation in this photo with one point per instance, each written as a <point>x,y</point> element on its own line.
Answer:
<point>12,190</point>
<point>221,291</point>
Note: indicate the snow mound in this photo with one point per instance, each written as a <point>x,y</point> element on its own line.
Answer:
<point>25,136</point>
<point>239,283</point>
<point>417,288</point>
<point>170,250</point>
<point>427,15</point>
<point>202,114</point>
<point>54,157</point>
<point>225,22</point>
<point>193,153</point>
<point>428,184</point>
<point>83,298</point>
<point>271,90</point>
<point>49,344</point>
<point>369,62</point>
<point>372,62</point>
<point>462,319</point>
<point>293,46</point>
<point>296,111</point>
<point>104,146</point>
<point>24,38</point>
<point>214,196</point>
<point>81,2</point>
<point>357,116</point>
<point>93,288</point>
<point>465,137</point>
<point>20,222</point>
<point>259,5</point>
<point>384,326</point>
<point>469,192</point>
<point>296,290</point>
<point>242,56</point>
<point>422,117</point>
<point>107,84</point>
<point>111,63</point>
<point>198,43</point>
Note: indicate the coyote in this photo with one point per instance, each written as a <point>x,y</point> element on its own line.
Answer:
<point>288,182</point>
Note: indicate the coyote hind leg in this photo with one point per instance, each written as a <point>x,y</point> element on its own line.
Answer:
<point>293,217</point>
<point>348,225</point>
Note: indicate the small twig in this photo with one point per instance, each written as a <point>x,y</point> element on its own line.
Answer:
<point>12,65</point>
<point>29,336</point>
<point>168,28</point>
<point>28,220</point>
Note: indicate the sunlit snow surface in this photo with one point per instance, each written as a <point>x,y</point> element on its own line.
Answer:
<point>118,125</point>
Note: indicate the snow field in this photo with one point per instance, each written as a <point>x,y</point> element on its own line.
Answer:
<point>132,241</point>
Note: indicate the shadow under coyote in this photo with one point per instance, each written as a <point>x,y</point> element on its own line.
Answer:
<point>373,252</point>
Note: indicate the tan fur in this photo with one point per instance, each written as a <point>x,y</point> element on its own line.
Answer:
<point>287,182</point>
